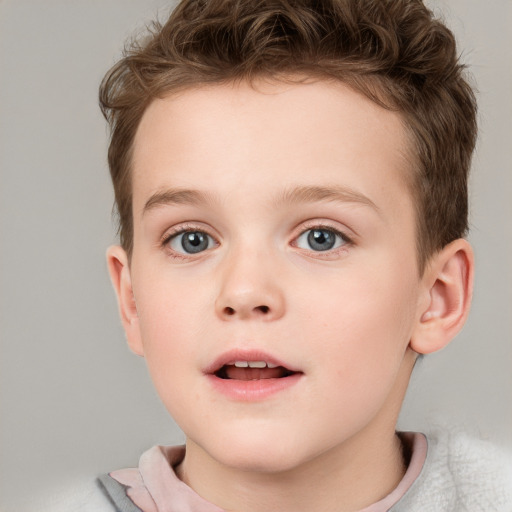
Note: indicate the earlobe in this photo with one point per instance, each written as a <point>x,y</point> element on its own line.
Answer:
<point>447,291</point>
<point>120,275</point>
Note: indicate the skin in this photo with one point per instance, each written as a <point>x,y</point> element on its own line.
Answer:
<point>352,318</point>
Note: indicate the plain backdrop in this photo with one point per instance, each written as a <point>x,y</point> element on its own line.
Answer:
<point>74,401</point>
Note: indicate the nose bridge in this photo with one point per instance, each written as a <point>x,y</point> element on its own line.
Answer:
<point>250,286</point>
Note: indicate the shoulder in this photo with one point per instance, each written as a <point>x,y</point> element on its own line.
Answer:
<point>83,496</point>
<point>461,473</point>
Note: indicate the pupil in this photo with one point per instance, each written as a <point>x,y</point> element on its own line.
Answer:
<point>321,239</point>
<point>194,242</point>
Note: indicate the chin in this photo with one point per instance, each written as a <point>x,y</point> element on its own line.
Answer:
<point>267,462</point>
<point>258,453</point>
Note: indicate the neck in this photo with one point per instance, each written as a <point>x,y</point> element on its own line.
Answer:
<point>345,479</point>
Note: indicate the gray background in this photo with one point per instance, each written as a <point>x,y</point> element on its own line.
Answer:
<point>74,401</point>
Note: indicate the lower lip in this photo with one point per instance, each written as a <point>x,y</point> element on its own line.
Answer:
<point>253,390</point>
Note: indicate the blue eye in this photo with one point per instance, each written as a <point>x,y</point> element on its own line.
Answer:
<point>320,239</point>
<point>191,242</point>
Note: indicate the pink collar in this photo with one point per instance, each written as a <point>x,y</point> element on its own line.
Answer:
<point>417,444</point>
<point>154,485</point>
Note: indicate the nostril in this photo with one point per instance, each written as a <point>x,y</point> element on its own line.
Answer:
<point>229,311</point>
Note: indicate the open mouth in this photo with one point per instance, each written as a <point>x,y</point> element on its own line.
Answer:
<point>251,375</point>
<point>252,370</point>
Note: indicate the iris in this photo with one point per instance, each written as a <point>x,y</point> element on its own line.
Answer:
<point>194,241</point>
<point>321,239</point>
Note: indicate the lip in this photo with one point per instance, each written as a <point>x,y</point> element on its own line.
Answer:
<point>231,356</point>
<point>250,390</point>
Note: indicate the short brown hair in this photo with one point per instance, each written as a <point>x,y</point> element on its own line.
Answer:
<point>393,51</point>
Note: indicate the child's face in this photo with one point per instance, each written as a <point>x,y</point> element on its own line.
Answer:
<point>263,181</point>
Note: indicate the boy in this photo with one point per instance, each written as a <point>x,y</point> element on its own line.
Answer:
<point>291,181</point>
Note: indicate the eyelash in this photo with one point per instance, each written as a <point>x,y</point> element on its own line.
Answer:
<point>182,229</point>
<point>189,228</point>
<point>318,226</point>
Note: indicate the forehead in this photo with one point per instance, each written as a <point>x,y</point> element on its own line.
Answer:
<point>233,137</point>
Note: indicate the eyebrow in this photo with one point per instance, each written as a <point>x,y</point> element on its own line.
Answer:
<point>292,196</point>
<point>335,193</point>
<point>176,196</point>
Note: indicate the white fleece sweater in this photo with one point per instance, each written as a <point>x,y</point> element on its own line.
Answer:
<point>460,474</point>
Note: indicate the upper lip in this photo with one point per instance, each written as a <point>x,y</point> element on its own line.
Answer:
<point>231,356</point>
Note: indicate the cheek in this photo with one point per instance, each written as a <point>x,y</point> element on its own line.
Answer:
<point>173,322</point>
<point>359,350</point>
<point>366,324</point>
<point>169,307</point>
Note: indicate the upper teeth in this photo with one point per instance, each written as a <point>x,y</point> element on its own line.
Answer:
<point>254,364</point>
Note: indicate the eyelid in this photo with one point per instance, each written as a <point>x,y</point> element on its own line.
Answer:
<point>327,225</point>
<point>322,224</point>
<point>184,228</point>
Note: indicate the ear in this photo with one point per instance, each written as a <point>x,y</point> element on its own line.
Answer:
<point>447,288</point>
<point>119,269</point>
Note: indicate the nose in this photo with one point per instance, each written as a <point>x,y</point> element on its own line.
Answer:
<point>250,289</point>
